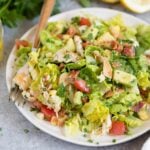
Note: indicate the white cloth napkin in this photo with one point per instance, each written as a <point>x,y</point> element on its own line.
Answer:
<point>146,145</point>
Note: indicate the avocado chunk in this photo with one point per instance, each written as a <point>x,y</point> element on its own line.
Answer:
<point>124,78</point>
<point>90,34</point>
<point>77,98</point>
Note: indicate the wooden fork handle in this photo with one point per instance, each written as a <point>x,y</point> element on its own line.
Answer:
<point>45,13</point>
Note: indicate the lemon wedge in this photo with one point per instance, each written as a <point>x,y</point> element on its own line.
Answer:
<point>110,1</point>
<point>137,6</point>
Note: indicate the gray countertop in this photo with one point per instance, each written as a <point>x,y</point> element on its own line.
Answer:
<point>13,124</point>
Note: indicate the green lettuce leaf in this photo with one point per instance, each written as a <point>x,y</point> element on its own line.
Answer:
<point>95,111</point>
<point>143,79</point>
<point>71,127</point>
<point>77,65</point>
<point>130,120</point>
<point>22,56</point>
<point>143,36</point>
<point>52,43</point>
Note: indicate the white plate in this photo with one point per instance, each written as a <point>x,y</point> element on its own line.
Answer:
<point>56,131</point>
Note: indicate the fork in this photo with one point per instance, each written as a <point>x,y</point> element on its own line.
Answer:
<point>15,94</point>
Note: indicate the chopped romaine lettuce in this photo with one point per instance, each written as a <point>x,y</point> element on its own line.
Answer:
<point>143,79</point>
<point>51,43</point>
<point>22,56</point>
<point>95,111</point>
<point>71,127</point>
<point>77,65</point>
<point>143,36</point>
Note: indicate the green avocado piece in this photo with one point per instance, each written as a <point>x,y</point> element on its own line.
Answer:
<point>124,78</point>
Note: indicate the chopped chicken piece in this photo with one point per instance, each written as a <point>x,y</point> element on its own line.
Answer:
<point>78,43</point>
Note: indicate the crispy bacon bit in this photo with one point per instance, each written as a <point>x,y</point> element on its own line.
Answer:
<point>57,121</point>
<point>128,50</point>
<point>144,93</point>
<point>109,94</point>
<point>37,104</point>
<point>116,64</point>
<point>71,31</point>
<point>23,43</point>
<point>116,46</point>
<point>85,100</point>
<point>61,66</point>
<point>60,36</point>
<point>74,74</point>
<point>85,44</point>
<point>137,107</point>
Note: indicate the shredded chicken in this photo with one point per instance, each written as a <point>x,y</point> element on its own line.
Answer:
<point>66,56</point>
<point>78,43</point>
<point>22,78</point>
<point>107,69</point>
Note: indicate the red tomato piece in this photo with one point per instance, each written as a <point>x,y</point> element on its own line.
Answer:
<point>129,51</point>
<point>48,113</point>
<point>118,128</point>
<point>81,85</point>
<point>23,43</point>
<point>85,21</point>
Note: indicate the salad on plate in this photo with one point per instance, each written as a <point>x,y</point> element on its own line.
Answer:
<point>88,75</point>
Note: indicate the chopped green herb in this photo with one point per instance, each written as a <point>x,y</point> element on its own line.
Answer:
<point>26,130</point>
<point>90,140</point>
<point>61,90</point>
<point>67,56</point>
<point>114,140</point>
<point>34,109</point>
<point>84,135</point>
<point>75,20</point>
<point>0,129</point>
<point>85,130</point>
<point>97,143</point>
<point>90,36</point>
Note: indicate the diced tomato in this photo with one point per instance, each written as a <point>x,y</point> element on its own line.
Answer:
<point>81,85</point>
<point>71,31</point>
<point>137,107</point>
<point>48,113</point>
<point>129,51</point>
<point>23,43</point>
<point>85,21</point>
<point>118,128</point>
<point>37,104</point>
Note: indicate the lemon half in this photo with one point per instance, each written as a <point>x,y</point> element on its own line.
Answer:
<point>137,6</point>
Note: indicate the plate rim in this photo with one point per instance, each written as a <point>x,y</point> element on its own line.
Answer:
<point>87,10</point>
